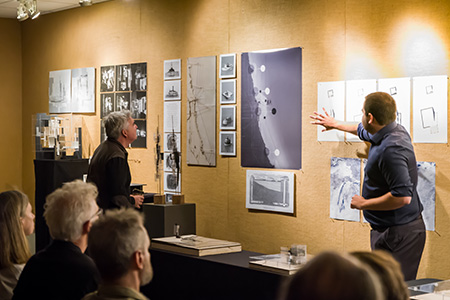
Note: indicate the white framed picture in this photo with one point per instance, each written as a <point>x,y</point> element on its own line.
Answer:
<point>172,69</point>
<point>172,182</point>
<point>228,91</point>
<point>227,142</point>
<point>227,65</point>
<point>228,117</point>
<point>172,90</point>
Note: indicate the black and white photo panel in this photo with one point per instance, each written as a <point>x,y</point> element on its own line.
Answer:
<point>227,143</point>
<point>228,117</point>
<point>172,141</point>
<point>172,182</point>
<point>123,78</point>
<point>141,133</point>
<point>172,90</point>
<point>139,77</point>
<point>227,66</point>
<point>106,104</point>
<point>139,105</point>
<point>122,101</point>
<point>228,91</point>
<point>172,69</point>
<point>108,76</point>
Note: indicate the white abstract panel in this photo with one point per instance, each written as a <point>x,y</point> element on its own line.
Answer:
<point>345,182</point>
<point>59,91</point>
<point>172,116</point>
<point>430,109</point>
<point>331,97</point>
<point>400,90</point>
<point>426,188</point>
<point>83,90</point>
<point>356,92</point>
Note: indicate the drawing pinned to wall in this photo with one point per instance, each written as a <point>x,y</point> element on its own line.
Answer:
<point>123,78</point>
<point>426,188</point>
<point>139,77</point>
<point>59,91</point>
<point>141,133</point>
<point>228,117</point>
<point>227,142</point>
<point>227,65</point>
<point>172,69</point>
<point>270,190</point>
<point>108,76</point>
<point>171,182</point>
<point>345,182</point>
<point>356,91</point>
<point>106,104</point>
<point>83,90</point>
<point>271,96</point>
<point>172,140</point>
<point>400,90</point>
<point>201,111</point>
<point>228,91</point>
<point>430,109</point>
<point>331,97</point>
<point>172,90</point>
<point>172,118</point>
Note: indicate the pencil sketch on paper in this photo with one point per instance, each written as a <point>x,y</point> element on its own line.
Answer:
<point>83,90</point>
<point>59,91</point>
<point>345,182</point>
<point>201,111</point>
<point>426,188</point>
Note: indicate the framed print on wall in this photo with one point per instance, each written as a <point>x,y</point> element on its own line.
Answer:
<point>227,65</point>
<point>228,117</point>
<point>227,143</point>
<point>228,91</point>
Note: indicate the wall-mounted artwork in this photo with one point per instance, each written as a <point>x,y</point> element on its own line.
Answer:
<point>172,90</point>
<point>139,77</point>
<point>108,79</point>
<point>103,136</point>
<point>426,188</point>
<point>172,69</point>
<point>228,91</point>
<point>170,163</point>
<point>356,92</point>
<point>227,142</point>
<point>122,101</point>
<point>331,97</point>
<point>172,116</point>
<point>201,111</point>
<point>172,182</point>
<point>141,132</point>
<point>59,91</point>
<point>345,182</point>
<point>138,105</point>
<point>123,78</point>
<point>106,104</point>
<point>430,109</point>
<point>270,190</point>
<point>400,90</point>
<point>83,90</point>
<point>271,96</point>
<point>227,65</point>
<point>228,117</point>
<point>172,141</point>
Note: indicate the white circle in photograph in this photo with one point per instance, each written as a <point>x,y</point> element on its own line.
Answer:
<point>262,68</point>
<point>267,91</point>
<point>276,152</point>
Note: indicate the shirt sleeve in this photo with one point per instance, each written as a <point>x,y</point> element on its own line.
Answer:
<point>362,133</point>
<point>394,167</point>
<point>116,170</point>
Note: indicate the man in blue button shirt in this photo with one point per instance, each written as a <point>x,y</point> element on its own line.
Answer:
<point>389,200</point>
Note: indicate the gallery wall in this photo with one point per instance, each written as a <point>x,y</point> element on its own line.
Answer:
<point>11,105</point>
<point>341,40</point>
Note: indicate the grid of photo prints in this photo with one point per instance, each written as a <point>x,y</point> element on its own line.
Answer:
<point>124,87</point>
<point>172,128</point>
<point>227,75</point>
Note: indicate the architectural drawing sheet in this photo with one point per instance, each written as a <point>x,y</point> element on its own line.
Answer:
<point>426,188</point>
<point>331,96</point>
<point>201,111</point>
<point>356,91</point>
<point>59,91</point>
<point>83,90</point>
<point>172,116</point>
<point>400,90</point>
<point>430,109</point>
<point>345,182</point>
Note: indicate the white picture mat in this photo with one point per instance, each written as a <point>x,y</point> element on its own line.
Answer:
<point>331,96</point>
<point>172,85</point>
<point>227,117</point>
<point>172,116</point>
<point>430,109</point>
<point>228,149</point>
<point>227,67</point>
<point>356,91</point>
<point>228,91</point>
<point>175,64</point>
<point>170,182</point>
<point>59,91</point>
<point>83,90</point>
<point>261,185</point>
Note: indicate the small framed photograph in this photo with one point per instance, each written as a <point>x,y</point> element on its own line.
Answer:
<point>227,143</point>
<point>172,141</point>
<point>227,65</point>
<point>172,182</point>
<point>172,69</point>
<point>108,75</point>
<point>228,117</point>
<point>139,77</point>
<point>170,163</point>
<point>138,105</point>
<point>122,101</point>
<point>106,104</point>
<point>172,90</point>
<point>123,78</point>
<point>228,91</point>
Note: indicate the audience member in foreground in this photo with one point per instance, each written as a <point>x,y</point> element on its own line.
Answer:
<point>332,276</point>
<point>16,222</point>
<point>62,271</point>
<point>388,271</point>
<point>122,258</point>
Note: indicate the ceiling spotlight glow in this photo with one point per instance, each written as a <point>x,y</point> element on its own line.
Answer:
<point>85,2</point>
<point>27,8</point>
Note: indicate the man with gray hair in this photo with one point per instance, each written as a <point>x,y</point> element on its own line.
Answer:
<point>122,258</point>
<point>62,270</point>
<point>109,168</point>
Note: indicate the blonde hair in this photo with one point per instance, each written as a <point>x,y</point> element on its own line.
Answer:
<point>68,208</point>
<point>15,250</point>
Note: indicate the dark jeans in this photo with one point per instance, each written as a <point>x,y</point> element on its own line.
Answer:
<point>404,242</point>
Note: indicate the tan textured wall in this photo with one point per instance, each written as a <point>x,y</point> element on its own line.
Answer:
<point>343,39</point>
<point>11,105</point>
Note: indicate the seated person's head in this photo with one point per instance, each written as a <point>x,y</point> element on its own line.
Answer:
<point>118,243</point>
<point>332,276</point>
<point>115,122</point>
<point>69,208</point>
<point>16,221</point>
<point>389,272</point>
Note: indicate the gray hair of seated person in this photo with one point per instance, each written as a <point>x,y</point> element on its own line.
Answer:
<point>333,276</point>
<point>113,239</point>
<point>115,122</point>
<point>68,208</point>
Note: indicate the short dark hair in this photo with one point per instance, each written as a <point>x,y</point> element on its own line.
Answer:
<point>382,107</point>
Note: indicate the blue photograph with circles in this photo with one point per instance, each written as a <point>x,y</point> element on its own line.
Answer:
<point>271,109</point>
